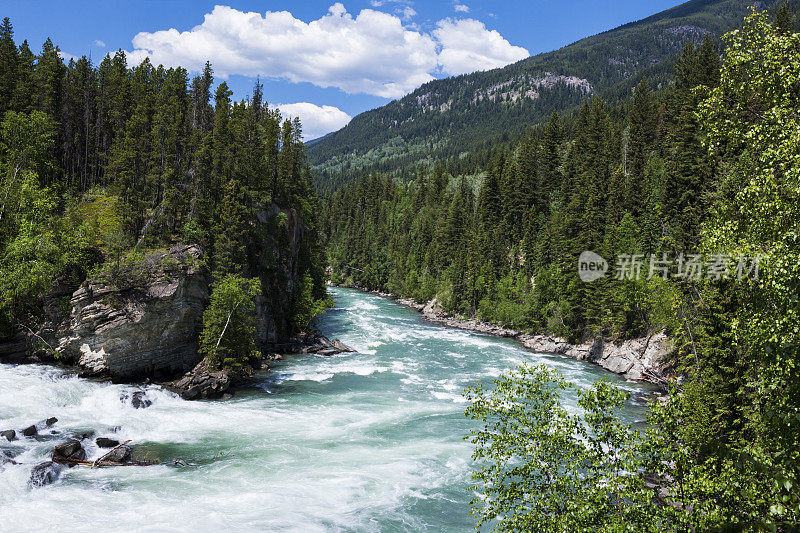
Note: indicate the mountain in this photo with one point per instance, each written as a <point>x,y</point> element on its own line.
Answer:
<point>451,118</point>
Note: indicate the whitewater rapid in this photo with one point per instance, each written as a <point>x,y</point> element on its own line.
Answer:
<point>366,441</point>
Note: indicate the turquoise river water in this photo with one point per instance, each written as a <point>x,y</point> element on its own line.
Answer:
<point>366,441</point>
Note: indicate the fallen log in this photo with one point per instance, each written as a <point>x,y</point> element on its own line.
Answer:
<point>97,463</point>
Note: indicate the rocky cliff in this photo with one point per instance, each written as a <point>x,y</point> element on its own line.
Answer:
<point>143,319</point>
<point>144,327</point>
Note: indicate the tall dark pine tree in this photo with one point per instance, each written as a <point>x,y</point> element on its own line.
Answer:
<point>8,65</point>
<point>642,120</point>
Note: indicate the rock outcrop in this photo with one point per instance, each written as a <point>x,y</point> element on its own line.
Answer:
<point>642,358</point>
<point>316,343</point>
<point>136,321</point>
<point>37,345</point>
<point>275,257</point>
<point>203,382</point>
<point>145,325</point>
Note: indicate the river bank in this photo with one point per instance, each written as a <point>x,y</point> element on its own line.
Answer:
<point>639,359</point>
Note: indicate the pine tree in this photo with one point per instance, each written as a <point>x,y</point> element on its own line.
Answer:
<point>642,136</point>
<point>8,65</point>
<point>231,231</point>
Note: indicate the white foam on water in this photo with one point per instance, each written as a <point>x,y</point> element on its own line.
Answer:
<point>369,441</point>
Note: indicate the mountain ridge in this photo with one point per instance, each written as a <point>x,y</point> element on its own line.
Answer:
<point>453,117</point>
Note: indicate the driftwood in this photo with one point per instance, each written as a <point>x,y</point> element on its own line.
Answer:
<point>98,463</point>
<point>101,462</point>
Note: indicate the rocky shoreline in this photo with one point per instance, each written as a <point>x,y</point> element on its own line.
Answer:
<point>639,359</point>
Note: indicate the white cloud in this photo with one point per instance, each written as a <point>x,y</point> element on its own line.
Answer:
<point>379,3</point>
<point>100,43</point>
<point>461,8</point>
<point>316,120</point>
<point>408,13</point>
<point>67,57</point>
<point>468,46</point>
<point>372,52</point>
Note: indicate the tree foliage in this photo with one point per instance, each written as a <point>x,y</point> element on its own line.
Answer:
<point>227,338</point>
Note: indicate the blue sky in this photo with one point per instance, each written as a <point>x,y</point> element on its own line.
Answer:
<point>324,61</point>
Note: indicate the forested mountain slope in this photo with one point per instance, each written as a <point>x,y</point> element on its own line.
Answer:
<point>455,117</point>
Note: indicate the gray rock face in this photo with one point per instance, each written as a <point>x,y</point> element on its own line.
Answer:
<point>643,358</point>
<point>276,228</point>
<point>639,359</point>
<point>143,328</point>
<point>143,321</point>
<point>37,347</point>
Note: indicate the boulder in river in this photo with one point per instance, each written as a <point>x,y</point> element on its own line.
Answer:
<point>69,451</point>
<point>342,347</point>
<point>319,344</point>
<point>34,429</point>
<point>140,401</point>
<point>103,442</point>
<point>7,457</point>
<point>44,474</point>
<point>203,382</point>
<point>8,434</point>
<point>118,455</point>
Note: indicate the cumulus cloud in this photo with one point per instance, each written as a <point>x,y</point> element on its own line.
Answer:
<point>316,120</point>
<point>459,53</point>
<point>100,43</point>
<point>461,8</point>
<point>372,52</point>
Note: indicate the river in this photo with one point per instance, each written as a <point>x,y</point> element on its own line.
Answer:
<point>367,441</point>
